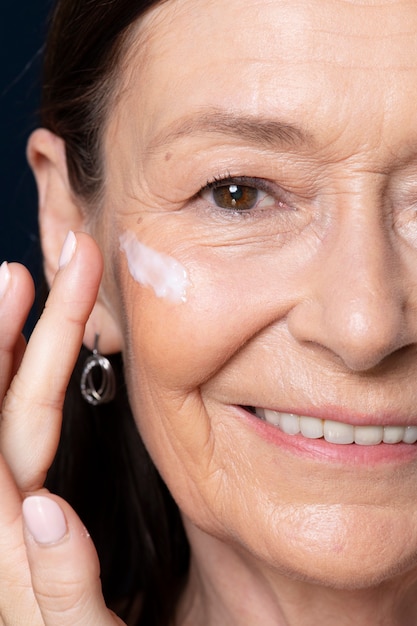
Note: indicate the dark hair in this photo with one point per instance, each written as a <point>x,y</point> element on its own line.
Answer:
<point>82,60</point>
<point>102,467</point>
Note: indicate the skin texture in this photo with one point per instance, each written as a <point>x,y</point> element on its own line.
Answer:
<point>305,304</point>
<point>307,307</point>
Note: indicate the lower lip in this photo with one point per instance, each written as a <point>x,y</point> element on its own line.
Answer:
<point>322,450</point>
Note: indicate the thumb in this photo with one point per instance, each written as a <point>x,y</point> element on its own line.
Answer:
<point>64,565</point>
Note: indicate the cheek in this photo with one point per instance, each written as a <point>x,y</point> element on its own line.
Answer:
<point>184,344</point>
<point>174,348</point>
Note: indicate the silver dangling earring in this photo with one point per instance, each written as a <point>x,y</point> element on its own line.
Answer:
<point>99,387</point>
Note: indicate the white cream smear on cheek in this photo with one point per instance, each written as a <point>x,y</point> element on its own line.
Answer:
<point>162,273</point>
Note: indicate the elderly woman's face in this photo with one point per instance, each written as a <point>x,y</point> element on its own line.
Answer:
<point>270,149</point>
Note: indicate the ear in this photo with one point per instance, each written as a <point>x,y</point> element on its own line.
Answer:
<point>60,211</point>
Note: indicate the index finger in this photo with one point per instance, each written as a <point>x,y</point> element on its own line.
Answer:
<point>14,308</point>
<point>32,411</point>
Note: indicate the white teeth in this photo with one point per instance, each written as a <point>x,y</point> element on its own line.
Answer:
<point>368,435</point>
<point>410,435</point>
<point>311,427</point>
<point>261,413</point>
<point>289,423</point>
<point>338,432</point>
<point>393,434</point>
<point>272,417</point>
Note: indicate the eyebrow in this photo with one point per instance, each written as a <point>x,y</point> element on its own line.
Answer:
<point>256,130</point>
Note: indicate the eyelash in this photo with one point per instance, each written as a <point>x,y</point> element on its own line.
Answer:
<point>248,182</point>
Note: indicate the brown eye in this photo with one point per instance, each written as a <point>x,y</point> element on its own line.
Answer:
<point>235,197</point>
<point>239,195</point>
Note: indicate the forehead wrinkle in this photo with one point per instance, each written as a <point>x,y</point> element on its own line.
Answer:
<point>257,130</point>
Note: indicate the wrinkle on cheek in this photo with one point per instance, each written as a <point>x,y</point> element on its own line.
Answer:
<point>168,278</point>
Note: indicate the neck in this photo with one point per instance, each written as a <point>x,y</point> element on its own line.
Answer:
<point>231,588</point>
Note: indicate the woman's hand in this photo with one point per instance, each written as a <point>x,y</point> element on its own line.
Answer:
<point>49,571</point>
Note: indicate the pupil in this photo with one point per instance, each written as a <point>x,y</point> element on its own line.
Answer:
<point>236,193</point>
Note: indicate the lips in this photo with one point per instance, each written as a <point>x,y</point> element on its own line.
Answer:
<point>337,432</point>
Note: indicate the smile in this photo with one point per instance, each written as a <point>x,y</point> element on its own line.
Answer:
<point>337,432</point>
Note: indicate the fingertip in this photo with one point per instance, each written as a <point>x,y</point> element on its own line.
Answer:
<point>68,250</point>
<point>5,277</point>
<point>17,294</point>
<point>19,277</point>
<point>77,275</point>
<point>63,562</point>
<point>20,285</point>
<point>89,248</point>
<point>44,520</point>
<point>81,255</point>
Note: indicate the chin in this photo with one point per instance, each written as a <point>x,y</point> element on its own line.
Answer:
<point>356,574</point>
<point>360,561</point>
<point>339,547</point>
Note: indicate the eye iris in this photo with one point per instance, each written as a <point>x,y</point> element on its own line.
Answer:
<point>235,196</point>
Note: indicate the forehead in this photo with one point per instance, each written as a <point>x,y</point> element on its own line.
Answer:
<point>346,61</point>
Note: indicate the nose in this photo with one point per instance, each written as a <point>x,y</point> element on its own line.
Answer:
<point>359,301</point>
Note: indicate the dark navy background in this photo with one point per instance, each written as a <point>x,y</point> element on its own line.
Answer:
<point>22,31</point>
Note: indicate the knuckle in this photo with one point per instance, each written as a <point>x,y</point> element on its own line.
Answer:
<point>69,597</point>
<point>19,397</point>
<point>75,309</point>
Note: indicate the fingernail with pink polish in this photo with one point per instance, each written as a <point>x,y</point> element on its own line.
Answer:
<point>4,278</point>
<point>44,519</point>
<point>68,250</point>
